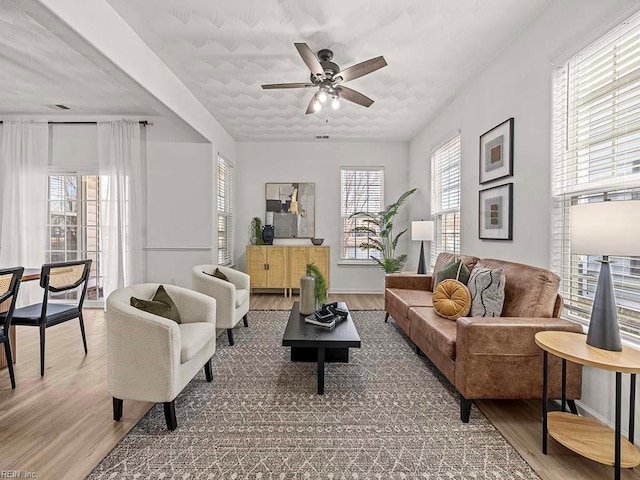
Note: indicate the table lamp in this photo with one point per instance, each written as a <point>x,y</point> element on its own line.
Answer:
<point>422,230</point>
<point>605,228</point>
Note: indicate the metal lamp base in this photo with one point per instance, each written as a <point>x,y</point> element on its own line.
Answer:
<point>604,331</point>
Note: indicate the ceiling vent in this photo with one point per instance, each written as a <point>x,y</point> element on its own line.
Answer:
<point>58,106</point>
<point>322,137</point>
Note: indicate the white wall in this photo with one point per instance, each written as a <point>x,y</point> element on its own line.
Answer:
<point>518,84</point>
<point>180,192</point>
<point>319,162</point>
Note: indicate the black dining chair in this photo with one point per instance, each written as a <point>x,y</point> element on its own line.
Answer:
<point>56,278</point>
<point>9,285</point>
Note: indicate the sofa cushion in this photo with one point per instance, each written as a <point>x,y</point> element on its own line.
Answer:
<point>451,299</point>
<point>454,270</point>
<point>401,300</point>
<point>193,337</point>
<point>437,331</point>
<point>529,291</point>
<point>445,258</point>
<point>161,304</point>
<point>487,292</point>
<point>242,295</point>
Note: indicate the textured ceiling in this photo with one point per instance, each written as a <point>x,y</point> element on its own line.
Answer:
<point>223,50</point>
<point>37,69</point>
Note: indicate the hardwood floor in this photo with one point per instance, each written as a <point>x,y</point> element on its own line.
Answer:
<point>61,426</point>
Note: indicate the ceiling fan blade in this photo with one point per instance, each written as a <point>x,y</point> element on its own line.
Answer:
<point>353,96</point>
<point>287,85</point>
<point>313,100</point>
<point>309,58</point>
<point>360,69</point>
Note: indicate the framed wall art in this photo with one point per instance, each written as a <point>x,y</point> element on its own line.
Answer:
<point>290,208</point>
<point>496,152</point>
<point>495,213</point>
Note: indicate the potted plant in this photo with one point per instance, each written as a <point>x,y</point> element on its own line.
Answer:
<point>379,228</point>
<point>255,231</point>
<point>321,282</point>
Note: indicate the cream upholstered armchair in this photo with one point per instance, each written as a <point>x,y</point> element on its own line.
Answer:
<point>152,358</point>
<point>232,297</point>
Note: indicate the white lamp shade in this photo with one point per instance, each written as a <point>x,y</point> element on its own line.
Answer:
<point>606,228</point>
<point>422,230</point>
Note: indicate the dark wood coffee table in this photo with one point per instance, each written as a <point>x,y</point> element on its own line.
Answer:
<point>311,343</point>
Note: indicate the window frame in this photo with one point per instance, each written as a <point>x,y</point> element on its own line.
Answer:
<point>593,159</point>
<point>81,226</point>
<point>348,260</point>
<point>446,219</point>
<point>225,213</point>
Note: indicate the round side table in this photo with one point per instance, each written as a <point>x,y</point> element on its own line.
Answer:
<point>584,435</point>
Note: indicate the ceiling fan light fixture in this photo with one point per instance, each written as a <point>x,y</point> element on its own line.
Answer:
<point>317,106</point>
<point>322,96</point>
<point>335,104</point>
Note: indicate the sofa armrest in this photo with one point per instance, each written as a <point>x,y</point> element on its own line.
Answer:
<point>192,305</point>
<point>240,279</point>
<point>408,281</point>
<point>497,357</point>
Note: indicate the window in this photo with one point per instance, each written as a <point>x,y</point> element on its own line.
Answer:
<point>596,157</point>
<point>445,198</point>
<point>362,190</point>
<point>73,225</point>
<point>225,212</point>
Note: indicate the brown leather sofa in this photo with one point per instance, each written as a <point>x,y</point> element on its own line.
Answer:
<point>488,357</point>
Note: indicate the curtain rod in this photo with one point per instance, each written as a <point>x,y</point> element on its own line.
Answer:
<point>142,122</point>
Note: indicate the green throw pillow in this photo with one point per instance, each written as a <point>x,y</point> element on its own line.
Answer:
<point>220,275</point>
<point>161,304</point>
<point>450,271</point>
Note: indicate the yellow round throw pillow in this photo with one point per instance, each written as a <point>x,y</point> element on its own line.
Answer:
<point>452,299</point>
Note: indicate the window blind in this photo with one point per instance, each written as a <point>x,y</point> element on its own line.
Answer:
<point>225,212</point>
<point>596,157</point>
<point>445,197</point>
<point>361,190</point>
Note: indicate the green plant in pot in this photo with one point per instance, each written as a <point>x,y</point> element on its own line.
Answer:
<point>255,231</point>
<point>379,229</point>
<point>321,282</point>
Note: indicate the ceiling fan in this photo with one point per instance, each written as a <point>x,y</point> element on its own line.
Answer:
<point>327,76</point>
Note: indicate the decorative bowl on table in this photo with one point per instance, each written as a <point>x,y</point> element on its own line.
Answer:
<point>317,241</point>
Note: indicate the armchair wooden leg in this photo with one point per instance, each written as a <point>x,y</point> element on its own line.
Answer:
<point>207,371</point>
<point>7,351</point>
<point>84,337</point>
<point>42,339</point>
<point>117,409</point>
<point>170,415</point>
<point>230,335</point>
<point>465,409</point>
<point>386,317</point>
<point>245,320</point>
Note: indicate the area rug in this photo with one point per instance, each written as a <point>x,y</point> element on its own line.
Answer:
<point>388,413</point>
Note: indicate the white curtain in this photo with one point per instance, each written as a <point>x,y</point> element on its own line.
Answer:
<point>122,204</point>
<point>23,198</point>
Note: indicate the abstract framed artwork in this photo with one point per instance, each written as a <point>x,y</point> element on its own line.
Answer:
<point>496,152</point>
<point>495,213</point>
<point>290,208</point>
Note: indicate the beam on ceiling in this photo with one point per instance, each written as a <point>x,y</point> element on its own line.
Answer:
<point>99,25</point>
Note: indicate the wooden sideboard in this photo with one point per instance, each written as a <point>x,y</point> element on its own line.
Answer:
<point>281,266</point>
